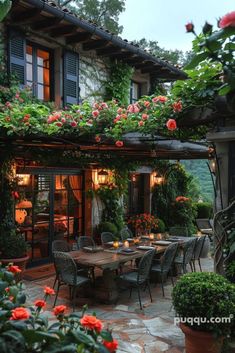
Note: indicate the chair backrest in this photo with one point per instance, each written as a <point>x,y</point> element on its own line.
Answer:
<point>144,266</point>
<point>125,233</point>
<point>65,267</point>
<point>199,246</point>
<point>107,237</point>
<point>168,257</point>
<point>60,245</point>
<point>203,223</point>
<point>179,231</point>
<point>188,250</point>
<point>85,241</point>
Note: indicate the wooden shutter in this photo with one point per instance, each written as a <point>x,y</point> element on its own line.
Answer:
<point>17,56</point>
<point>71,78</point>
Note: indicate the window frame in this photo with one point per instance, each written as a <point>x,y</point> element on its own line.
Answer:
<point>134,100</point>
<point>35,47</point>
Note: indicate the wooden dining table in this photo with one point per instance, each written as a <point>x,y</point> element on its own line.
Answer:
<point>105,288</point>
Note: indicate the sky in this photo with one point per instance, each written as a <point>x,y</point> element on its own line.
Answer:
<point>164,20</point>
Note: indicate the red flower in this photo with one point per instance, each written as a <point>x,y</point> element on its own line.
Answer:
<point>119,111</point>
<point>91,323</point>
<point>15,194</point>
<point>95,113</point>
<point>171,124</point>
<point>59,310</point>
<point>49,291</point>
<point>141,123</point>
<point>19,314</point>
<point>177,106</point>
<point>145,116</point>
<point>111,346</point>
<point>73,123</point>
<point>97,138</point>
<point>227,20</point>
<point>147,104</point>
<point>189,27</point>
<point>13,269</point>
<point>40,303</point>
<point>161,99</point>
<point>119,143</point>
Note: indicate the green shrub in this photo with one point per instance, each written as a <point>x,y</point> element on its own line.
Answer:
<point>13,245</point>
<point>205,295</point>
<point>230,271</point>
<point>107,227</point>
<point>160,227</point>
<point>204,210</point>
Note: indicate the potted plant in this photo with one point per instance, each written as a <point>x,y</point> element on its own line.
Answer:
<point>205,306</point>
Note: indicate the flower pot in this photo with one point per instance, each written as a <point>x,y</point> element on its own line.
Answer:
<point>201,341</point>
<point>20,262</point>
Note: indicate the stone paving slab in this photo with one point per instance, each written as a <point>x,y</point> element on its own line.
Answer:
<point>150,330</point>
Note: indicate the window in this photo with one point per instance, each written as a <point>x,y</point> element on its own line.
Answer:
<point>38,72</point>
<point>135,92</point>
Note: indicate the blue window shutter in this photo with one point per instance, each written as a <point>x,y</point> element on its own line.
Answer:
<point>17,56</point>
<point>71,78</point>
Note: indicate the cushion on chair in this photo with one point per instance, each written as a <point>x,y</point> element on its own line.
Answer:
<point>130,277</point>
<point>179,260</point>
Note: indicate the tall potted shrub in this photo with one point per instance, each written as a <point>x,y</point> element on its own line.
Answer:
<point>205,305</point>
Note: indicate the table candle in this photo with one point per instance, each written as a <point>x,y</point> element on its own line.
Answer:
<point>151,236</point>
<point>159,236</point>
<point>115,244</point>
<point>126,244</point>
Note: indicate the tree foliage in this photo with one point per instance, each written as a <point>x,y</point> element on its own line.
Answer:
<point>104,13</point>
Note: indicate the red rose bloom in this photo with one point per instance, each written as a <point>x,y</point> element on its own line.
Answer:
<point>111,346</point>
<point>177,106</point>
<point>97,138</point>
<point>13,269</point>
<point>189,27</point>
<point>91,323</point>
<point>145,116</point>
<point>59,310</point>
<point>119,143</point>
<point>19,314</point>
<point>49,291</point>
<point>171,124</point>
<point>40,303</point>
<point>227,20</point>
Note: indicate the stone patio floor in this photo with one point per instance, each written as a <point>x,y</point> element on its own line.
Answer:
<point>150,330</point>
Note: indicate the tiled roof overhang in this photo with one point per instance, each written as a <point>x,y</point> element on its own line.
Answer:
<point>46,16</point>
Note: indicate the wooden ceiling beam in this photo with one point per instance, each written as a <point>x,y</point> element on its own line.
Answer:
<point>46,24</point>
<point>79,37</point>
<point>108,51</point>
<point>153,69</point>
<point>62,31</point>
<point>122,55</point>
<point>25,17</point>
<point>95,44</point>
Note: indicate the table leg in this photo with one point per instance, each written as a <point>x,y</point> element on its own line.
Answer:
<point>106,289</point>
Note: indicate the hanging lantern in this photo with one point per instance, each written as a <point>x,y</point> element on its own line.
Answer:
<point>23,179</point>
<point>158,180</point>
<point>103,177</point>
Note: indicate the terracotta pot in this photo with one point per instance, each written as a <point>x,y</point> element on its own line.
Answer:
<point>20,262</point>
<point>201,341</point>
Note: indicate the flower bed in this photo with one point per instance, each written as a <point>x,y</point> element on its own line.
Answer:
<point>26,329</point>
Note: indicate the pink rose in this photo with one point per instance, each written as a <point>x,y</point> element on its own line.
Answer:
<point>145,116</point>
<point>119,111</point>
<point>73,123</point>
<point>177,106</point>
<point>59,124</point>
<point>147,104</point>
<point>95,113</point>
<point>63,120</point>
<point>189,27</point>
<point>104,105</point>
<point>119,143</point>
<point>141,123</point>
<point>161,99</point>
<point>227,20</point>
<point>96,106</point>
<point>133,108</point>
<point>171,124</point>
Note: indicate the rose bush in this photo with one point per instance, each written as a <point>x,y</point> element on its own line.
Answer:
<point>27,329</point>
<point>143,222</point>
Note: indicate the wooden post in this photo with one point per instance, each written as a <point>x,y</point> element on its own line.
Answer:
<point>88,203</point>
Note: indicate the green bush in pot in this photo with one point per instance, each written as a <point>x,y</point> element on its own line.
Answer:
<point>202,301</point>
<point>13,245</point>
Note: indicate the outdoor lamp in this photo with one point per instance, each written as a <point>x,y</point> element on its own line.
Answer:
<point>158,180</point>
<point>212,166</point>
<point>103,177</point>
<point>23,179</point>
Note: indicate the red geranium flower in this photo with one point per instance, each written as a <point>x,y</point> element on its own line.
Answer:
<point>19,314</point>
<point>40,303</point>
<point>111,346</point>
<point>119,143</point>
<point>49,291</point>
<point>91,323</point>
<point>14,269</point>
<point>59,310</point>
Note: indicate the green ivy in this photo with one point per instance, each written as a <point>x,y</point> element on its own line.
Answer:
<point>118,86</point>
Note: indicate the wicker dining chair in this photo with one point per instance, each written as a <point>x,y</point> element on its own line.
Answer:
<point>164,265</point>
<point>84,241</point>
<point>187,256</point>
<point>106,237</point>
<point>67,275</point>
<point>59,245</point>
<point>140,276</point>
<point>197,252</point>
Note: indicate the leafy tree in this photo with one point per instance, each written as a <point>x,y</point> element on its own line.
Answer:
<point>103,12</point>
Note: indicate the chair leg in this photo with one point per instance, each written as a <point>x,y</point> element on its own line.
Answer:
<point>56,279</point>
<point>191,266</point>
<point>163,293</point>
<point>194,266</point>
<point>139,298</point>
<point>149,289</point>
<point>172,279</point>
<point>130,292</point>
<point>57,292</point>
<point>199,262</point>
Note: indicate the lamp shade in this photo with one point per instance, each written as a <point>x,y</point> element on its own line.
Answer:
<point>103,177</point>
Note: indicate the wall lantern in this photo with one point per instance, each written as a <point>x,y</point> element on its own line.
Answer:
<point>103,177</point>
<point>158,180</point>
<point>23,179</point>
<point>133,178</point>
<point>213,166</point>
